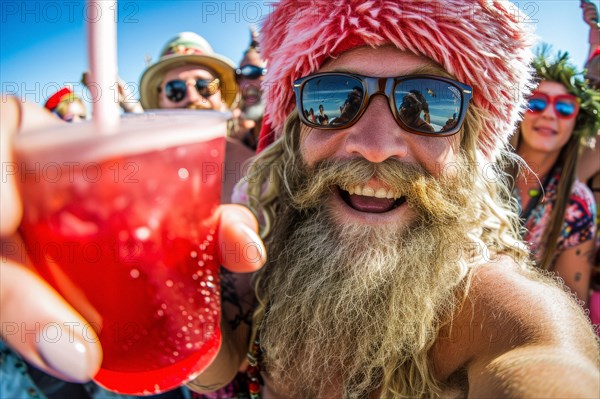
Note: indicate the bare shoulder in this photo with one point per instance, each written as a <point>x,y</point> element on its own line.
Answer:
<point>524,302</point>
<point>532,338</point>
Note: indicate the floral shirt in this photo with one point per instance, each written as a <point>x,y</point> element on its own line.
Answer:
<point>580,215</point>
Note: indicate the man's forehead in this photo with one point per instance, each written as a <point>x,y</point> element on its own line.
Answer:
<point>252,57</point>
<point>191,71</point>
<point>390,62</point>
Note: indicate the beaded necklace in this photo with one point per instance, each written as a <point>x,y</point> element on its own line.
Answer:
<point>253,372</point>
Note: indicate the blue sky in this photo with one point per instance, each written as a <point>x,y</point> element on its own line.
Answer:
<point>43,42</point>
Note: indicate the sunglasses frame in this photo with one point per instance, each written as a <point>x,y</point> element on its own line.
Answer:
<point>384,86</point>
<point>261,72</point>
<point>215,81</point>
<point>552,101</point>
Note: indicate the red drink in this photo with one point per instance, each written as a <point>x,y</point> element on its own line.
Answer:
<point>130,242</point>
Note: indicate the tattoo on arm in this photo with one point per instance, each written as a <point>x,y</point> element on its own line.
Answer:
<point>588,255</point>
<point>241,307</point>
<point>577,276</point>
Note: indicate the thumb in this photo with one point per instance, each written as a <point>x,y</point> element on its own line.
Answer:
<point>240,248</point>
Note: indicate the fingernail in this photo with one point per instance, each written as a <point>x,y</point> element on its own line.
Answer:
<point>67,355</point>
<point>257,243</point>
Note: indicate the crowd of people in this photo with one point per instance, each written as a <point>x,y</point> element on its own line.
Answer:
<point>377,174</point>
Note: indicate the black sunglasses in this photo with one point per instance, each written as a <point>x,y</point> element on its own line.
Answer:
<point>250,72</point>
<point>176,90</point>
<point>422,104</point>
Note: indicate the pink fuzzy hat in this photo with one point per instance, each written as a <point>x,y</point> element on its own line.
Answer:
<point>480,42</point>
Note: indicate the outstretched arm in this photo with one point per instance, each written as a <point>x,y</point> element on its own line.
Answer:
<point>590,16</point>
<point>539,343</point>
<point>542,371</point>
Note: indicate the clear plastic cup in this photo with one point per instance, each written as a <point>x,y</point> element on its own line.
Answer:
<point>123,226</point>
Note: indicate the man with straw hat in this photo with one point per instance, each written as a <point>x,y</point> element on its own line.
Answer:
<point>189,74</point>
<point>250,76</point>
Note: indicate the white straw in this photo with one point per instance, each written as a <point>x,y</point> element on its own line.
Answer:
<point>102,54</point>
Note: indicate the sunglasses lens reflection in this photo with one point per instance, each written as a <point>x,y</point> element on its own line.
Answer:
<point>428,105</point>
<point>175,90</point>
<point>565,108</point>
<point>332,100</point>
<point>537,104</point>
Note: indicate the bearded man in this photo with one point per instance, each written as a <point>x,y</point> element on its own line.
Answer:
<point>250,76</point>
<point>393,266</point>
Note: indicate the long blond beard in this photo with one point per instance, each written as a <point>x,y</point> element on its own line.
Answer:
<point>356,306</point>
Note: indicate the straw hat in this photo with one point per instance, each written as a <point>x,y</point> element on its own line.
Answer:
<point>188,48</point>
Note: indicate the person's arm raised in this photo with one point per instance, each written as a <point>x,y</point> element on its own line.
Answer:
<point>590,16</point>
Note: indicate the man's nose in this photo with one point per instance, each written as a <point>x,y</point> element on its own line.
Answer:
<point>192,94</point>
<point>376,136</point>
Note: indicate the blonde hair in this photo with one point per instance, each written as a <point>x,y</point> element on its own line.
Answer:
<point>63,105</point>
<point>496,232</point>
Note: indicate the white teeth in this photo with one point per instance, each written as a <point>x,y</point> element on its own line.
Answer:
<point>370,192</point>
<point>381,193</point>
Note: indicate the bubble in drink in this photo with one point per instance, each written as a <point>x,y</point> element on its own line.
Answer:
<point>125,248</point>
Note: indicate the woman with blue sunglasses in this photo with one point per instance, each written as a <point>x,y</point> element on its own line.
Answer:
<point>557,210</point>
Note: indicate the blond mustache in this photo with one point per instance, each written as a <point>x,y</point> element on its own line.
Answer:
<point>436,197</point>
<point>198,106</point>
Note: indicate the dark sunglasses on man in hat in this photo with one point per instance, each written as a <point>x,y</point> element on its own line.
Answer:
<point>250,72</point>
<point>176,90</point>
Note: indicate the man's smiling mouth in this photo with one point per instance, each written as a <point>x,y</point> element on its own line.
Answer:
<point>363,198</point>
